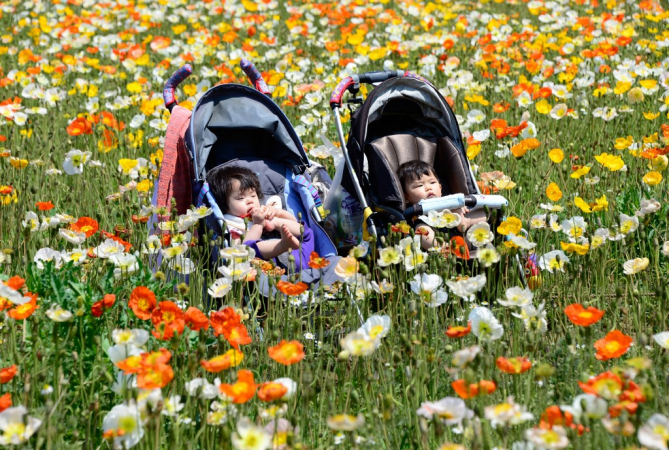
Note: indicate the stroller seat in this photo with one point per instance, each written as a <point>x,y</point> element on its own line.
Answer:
<point>388,153</point>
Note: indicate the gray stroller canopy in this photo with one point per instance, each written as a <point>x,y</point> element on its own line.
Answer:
<point>232,121</point>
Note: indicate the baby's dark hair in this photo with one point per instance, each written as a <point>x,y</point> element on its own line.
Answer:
<point>221,182</point>
<point>413,170</point>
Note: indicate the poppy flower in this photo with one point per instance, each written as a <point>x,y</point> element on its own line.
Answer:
<point>287,353</point>
<point>237,335</point>
<point>614,345</point>
<point>7,373</point>
<point>243,390</point>
<point>290,288</point>
<point>24,311</point>
<point>142,302</point>
<point>85,225</point>
<point>606,385</point>
<point>196,320</point>
<point>513,366</point>
<point>271,391</point>
<point>219,320</point>
<point>44,206</point>
<point>5,402</point>
<point>100,306</point>
<point>464,391</point>
<point>155,377</point>
<point>169,314</point>
<point>459,247</point>
<point>581,316</point>
<point>454,332</point>
<point>80,126</point>
<point>632,393</point>
<point>15,283</point>
<point>316,262</point>
<point>401,227</point>
<point>231,358</point>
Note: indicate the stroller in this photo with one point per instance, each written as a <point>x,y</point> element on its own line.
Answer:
<point>404,118</point>
<point>233,124</point>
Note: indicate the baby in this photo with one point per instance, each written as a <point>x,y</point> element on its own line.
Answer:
<point>238,193</point>
<point>419,181</point>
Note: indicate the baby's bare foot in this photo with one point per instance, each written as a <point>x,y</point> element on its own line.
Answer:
<point>269,225</point>
<point>288,239</point>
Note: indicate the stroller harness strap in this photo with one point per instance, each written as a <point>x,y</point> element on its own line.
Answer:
<point>301,180</point>
<point>174,180</point>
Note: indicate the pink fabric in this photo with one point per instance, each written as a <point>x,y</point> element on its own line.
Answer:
<point>175,171</point>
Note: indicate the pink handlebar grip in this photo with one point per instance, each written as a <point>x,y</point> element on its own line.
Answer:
<point>338,93</point>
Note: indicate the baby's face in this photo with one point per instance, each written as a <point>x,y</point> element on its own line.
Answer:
<point>427,186</point>
<point>242,203</point>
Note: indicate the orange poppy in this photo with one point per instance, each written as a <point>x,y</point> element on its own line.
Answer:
<point>5,402</point>
<point>270,391</point>
<point>169,314</point>
<point>80,126</point>
<point>613,345</point>
<point>454,332</point>
<point>581,316</point>
<point>243,390</point>
<point>113,237</point>
<point>231,358</point>
<point>196,320</point>
<point>237,335</point>
<point>7,373</point>
<point>316,262</point>
<point>44,206</point>
<point>142,302</point>
<point>155,377</point>
<point>219,320</point>
<point>290,288</point>
<point>85,225</point>
<point>513,366</point>
<point>136,363</point>
<point>464,391</point>
<point>633,393</point>
<point>618,408</point>
<point>606,385</point>
<point>15,283</point>
<point>459,247</point>
<point>287,353</point>
<point>24,311</point>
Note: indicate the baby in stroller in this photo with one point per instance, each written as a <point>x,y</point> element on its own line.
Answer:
<point>419,181</point>
<point>272,231</point>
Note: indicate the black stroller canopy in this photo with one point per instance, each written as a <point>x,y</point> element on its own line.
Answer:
<point>406,105</point>
<point>232,121</point>
<point>405,119</point>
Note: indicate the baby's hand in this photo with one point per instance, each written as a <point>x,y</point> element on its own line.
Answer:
<point>270,212</point>
<point>258,216</point>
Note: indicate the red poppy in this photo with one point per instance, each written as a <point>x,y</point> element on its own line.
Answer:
<point>21,312</point>
<point>80,126</point>
<point>169,319</point>
<point>316,262</point>
<point>613,345</point>
<point>7,373</point>
<point>142,302</point>
<point>287,353</point>
<point>290,288</point>
<point>196,320</point>
<point>513,366</point>
<point>459,247</point>
<point>85,225</point>
<point>243,390</point>
<point>271,391</point>
<point>99,307</point>
<point>459,331</point>
<point>583,317</point>
<point>464,391</point>
<point>5,402</point>
<point>44,206</point>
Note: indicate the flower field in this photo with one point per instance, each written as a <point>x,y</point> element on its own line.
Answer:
<point>555,335</point>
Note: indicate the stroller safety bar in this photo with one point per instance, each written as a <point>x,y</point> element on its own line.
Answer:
<point>171,85</point>
<point>255,77</point>
<point>455,201</point>
<point>352,83</point>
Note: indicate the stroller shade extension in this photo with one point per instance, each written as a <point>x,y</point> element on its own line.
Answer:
<point>404,118</point>
<point>233,124</point>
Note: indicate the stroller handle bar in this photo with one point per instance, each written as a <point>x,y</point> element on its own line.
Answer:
<point>352,83</point>
<point>456,201</point>
<point>255,77</point>
<point>171,85</point>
